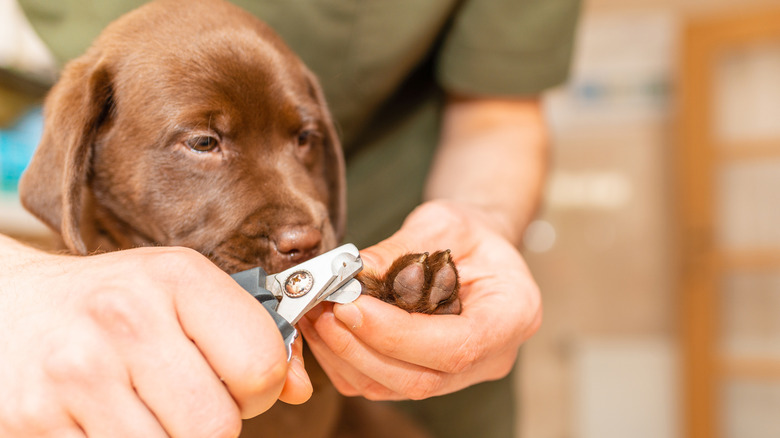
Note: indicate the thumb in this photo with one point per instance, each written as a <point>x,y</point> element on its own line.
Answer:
<point>297,388</point>
<point>430,227</point>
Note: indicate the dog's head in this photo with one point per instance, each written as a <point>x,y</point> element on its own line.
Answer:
<point>192,124</point>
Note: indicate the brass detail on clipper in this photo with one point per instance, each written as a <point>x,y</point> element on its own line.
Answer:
<point>298,284</point>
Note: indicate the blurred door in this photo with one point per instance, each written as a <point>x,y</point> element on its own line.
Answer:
<point>730,225</point>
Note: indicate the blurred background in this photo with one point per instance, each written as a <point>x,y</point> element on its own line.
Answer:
<point>657,248</point>
<point>26,71</point>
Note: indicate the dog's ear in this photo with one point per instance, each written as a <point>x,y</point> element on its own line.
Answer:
<point>334,162</point>
<point>53,186</point>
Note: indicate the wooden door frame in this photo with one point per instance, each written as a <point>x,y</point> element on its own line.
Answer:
<point>704,41</point>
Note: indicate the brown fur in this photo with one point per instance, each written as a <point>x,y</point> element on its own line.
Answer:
<point>113,169</point>
<point>117,167</point>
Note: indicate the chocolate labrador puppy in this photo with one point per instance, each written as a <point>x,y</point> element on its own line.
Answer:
<point>192,124</point>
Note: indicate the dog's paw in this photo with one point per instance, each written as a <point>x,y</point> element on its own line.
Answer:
<point>419,283</point>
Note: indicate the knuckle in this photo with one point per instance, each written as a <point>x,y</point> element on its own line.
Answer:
<point>262,375</point>
<point>345,389</point>
<point>209,417</point>
<point>72,363</point>
<point>463,358</point>
<point>186,256</point>
<point>31,413</point>
<point>66,432</point>
<point>190,266</point>
<point>425,385</point>
<point>223,425</point>
<point>505,367</point>
<point>534,326</point>
<point>176,258</point>
<point>375,392</point>
<point>342,346</point>
<point>121,314</point>
<point>535,318</point>
<point>392,342</point>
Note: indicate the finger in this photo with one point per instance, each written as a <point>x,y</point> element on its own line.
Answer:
<point>405,378</point>
<point>92,385</point>
<point>297,388</point>
<point>72,431</point>
<point>371,375</point>
<point>114,410</point>
<point>336,369</point>
<point>31,415</point>
<point>345,377</point>
<point>173,379</point>
<point>400,378</point>
<point>441,342</point>
<point>499,312</point>
<point>235,334</point>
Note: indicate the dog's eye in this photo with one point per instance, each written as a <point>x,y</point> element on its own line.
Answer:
<point>202,143</point>
<point>307,137</point>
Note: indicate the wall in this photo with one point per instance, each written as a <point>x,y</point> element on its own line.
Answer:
<point>607,360</point>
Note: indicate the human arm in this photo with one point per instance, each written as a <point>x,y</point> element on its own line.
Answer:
<point>146,342</point>
<point>492,157</point>
<point>482,190</point>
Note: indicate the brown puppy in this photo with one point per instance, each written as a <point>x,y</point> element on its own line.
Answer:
<point>192,124</point>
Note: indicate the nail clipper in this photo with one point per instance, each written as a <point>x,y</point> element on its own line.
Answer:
<point>288,295</point>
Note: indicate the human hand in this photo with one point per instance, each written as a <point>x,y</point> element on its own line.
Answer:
<point>378,351</point>
<point>151,342</point>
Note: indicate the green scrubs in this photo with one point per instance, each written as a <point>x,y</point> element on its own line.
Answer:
<point>385,67</point>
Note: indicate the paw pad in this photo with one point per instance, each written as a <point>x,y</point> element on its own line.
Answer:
<point>420,283</point>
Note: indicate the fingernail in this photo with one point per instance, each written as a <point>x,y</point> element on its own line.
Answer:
<point>349,314</point>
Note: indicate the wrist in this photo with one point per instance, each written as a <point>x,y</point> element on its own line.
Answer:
<point>491,218</point>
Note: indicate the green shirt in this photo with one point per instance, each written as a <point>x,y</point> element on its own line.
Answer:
<point>385,66</point>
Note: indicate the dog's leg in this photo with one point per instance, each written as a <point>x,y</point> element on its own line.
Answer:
<point>420,283</point>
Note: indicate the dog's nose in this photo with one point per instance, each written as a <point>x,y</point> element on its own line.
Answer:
<point>298,242</point>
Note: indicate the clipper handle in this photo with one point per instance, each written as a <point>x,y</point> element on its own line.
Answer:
<point>253,281</point>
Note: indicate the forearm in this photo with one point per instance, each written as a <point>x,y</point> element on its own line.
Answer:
<point>492,155</point>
